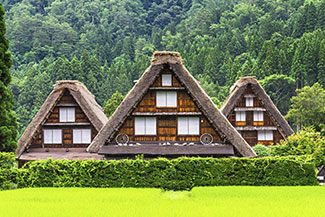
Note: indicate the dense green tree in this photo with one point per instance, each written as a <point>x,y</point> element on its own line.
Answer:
<point>280,88</point>
<point>321,63</point>
<point>308,107</point>
<point>112,104</point>
<point>8,124</point>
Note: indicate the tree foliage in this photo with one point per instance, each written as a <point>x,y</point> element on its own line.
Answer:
<point>112,104</point>
<point>308,107</point>
<point>8,124</point>
<point>108,44</point>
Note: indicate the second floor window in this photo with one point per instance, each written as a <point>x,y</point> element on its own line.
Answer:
<point>67,114</point>
<point>145,126</point>
<point>188,125</point>
<point>166,99</point>
<point>81,136</point>
<point>240,116</point>
<point>258,116</point>
<point>52,136</point>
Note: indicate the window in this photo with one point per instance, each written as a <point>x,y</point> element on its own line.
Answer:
<point>265,135</point>
<point>81,136</point>
<point>249,101</point>
<point>166,80</point>
<point>258,116</point>
<point>240,116</point>
<point>53,136</point>
<point>67,114</point>
<point>188,126</point>
<point>166,99</point>
<point>145,126</point>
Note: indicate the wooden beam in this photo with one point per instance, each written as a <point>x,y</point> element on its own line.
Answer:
<point>166,113</point>
<point>67,124</point>
<point>249,109</point>
<point>67,104</point>
<point>257,128</point>
<point>167,88</point>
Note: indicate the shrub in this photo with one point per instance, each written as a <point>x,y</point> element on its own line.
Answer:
<point>177,174</point>
<point>305,142</point>
<point>261,150</point>
<point>7,160</point>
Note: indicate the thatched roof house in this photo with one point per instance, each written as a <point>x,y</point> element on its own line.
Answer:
<point>167,113</point>
<point>253,113</point>
<point>68,120</point>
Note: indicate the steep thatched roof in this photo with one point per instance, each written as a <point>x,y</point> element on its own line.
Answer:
<point>83,98</point>
<point>238,89</point>
<point>173,61</point>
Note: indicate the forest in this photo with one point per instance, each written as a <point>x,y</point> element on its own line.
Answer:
<point>108,44</point>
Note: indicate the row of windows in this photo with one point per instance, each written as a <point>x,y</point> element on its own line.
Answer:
<point>80,136</point>
<point>241,116</point>
<point>148,126</point>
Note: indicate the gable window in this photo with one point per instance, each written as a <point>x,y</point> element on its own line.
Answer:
<point>166,80</point>
<point>265,135</point>
<point>188,126</point>
<point>145,126</point>
<point>81,136</point>
<point>241,116</point>
<point>249,101</point>
<point>166,99</point>
<point>67,114</point>
<point>53,136</point>
<point>258,116</point>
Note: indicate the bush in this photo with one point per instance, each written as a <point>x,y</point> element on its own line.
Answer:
<point>261,150</point>
<point>178,174</point>
<point>7,160</point>
<point>305,142</point>
<point>9,178</point>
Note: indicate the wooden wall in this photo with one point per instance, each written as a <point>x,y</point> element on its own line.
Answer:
<point>67,135</point>
<point>167,125</point>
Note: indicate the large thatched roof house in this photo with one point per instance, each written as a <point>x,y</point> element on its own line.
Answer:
<point>251,111</point>
<point>64,126</point>
<point>168,114</point>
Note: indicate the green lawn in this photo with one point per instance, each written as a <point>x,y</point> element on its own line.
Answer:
<point>203,201</point>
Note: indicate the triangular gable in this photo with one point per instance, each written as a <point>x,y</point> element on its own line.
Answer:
<point>83,98</point>
<point>172,60</point>
<point>238,89</point>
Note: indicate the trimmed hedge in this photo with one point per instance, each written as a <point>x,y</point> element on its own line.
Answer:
<point>178,174</point>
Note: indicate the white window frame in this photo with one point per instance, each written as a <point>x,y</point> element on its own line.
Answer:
<point>67,114</point>
<point>145,126</point>
<point>240,116</point>
<point>249,101</point>
<point>85,136</point>
<point>166,99</point>
<point>166,80</point>
<point>258,116</point>
<point>51,132</point>
<point>188,125</point>
<point>265,135</point>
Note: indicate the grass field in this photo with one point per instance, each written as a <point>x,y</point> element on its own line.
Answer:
<point>204,201</point>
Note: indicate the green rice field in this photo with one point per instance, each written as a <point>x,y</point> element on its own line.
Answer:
<point>202,201</point>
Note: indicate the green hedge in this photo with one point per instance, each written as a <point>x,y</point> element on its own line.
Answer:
<point>7,160</point>
<point>178,174</point>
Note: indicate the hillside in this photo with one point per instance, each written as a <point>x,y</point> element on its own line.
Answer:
<point>108,44</point>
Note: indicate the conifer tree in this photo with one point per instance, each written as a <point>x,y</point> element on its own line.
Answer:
<point>8,123</point>
<point>321,64</point>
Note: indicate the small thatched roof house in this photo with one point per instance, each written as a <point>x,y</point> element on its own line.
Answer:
<point>64,126</point>
<point>167,113</point>
<point>252,112</point>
